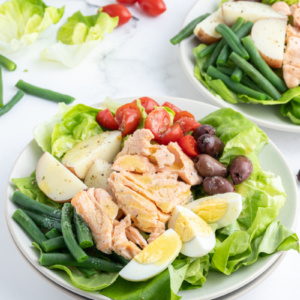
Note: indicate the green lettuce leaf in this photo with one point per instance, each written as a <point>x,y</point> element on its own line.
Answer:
<point>21,22</point>
<point>292,111</point>
<point>143,114</point>
<point>29,187</point>
<point>289,2</point>
<point>78,37</point>
<point>77,124</point>
<point>122,289</point>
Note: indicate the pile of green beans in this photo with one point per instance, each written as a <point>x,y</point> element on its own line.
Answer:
<point>227,60</point>
<point>66,237</point>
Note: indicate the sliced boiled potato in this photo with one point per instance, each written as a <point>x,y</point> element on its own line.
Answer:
<point>55,180</point>
<point>205,30</point>
<point>250,11</point>
<point>98,174</point>
<point>105,146</point>
<point>269,37</point>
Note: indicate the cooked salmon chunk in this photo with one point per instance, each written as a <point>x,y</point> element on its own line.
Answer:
<point>161,188</point>
<point>183,166</point>
<point>296,14</point>
<point>100,223</point>
<point>135,236</point>
<point>133,163</point>
<point>292,31</point>
<point>282,8</point>
<point>143,211</point>
<point>121,245</point>
<point>157,232</point>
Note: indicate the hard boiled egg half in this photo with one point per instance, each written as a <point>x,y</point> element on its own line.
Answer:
<point>154,258</point>
<point>219,209</point>
<point>197,237</point>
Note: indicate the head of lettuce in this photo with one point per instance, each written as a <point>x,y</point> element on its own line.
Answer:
<point>21,22</point>
<point>78,36</point>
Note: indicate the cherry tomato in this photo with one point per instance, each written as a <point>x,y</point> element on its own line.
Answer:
<point>183,114</point>
<point>121,109</point>
<point>173,134</point>
<point>129,121</point>
<point>105,118</point>
<point>188,124</point>
<point>118,10</point>
<point>127,2</point>
<point>158,121</point>
<point>147,103</point>
<point>152,7</point>
<point>188,145</point>
<point>172,106</point>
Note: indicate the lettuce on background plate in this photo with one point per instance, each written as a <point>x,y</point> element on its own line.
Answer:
<point>21,22</point>
<point>78,37</point>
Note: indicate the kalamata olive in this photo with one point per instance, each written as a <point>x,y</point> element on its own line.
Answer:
<point>207,166</point>
<point>203,129</point>
<point>217,185</point>
<point>240,169</point>
<point>210,144</point>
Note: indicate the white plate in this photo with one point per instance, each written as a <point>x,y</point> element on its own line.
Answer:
<point>268,116</point>
<point>217,284</point>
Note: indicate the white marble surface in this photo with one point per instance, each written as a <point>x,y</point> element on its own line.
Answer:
<point>136,60</point>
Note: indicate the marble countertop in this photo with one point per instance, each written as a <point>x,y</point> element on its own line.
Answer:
<point>136,60</point>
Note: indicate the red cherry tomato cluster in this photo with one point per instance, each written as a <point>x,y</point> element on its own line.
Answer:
<point>159,122</point>
<point>151,7</point>
<point>128,117</point>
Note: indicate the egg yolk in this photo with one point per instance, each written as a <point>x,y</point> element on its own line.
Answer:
<point>211,210</point>
<point>161,250</point>
<point>188,226</point>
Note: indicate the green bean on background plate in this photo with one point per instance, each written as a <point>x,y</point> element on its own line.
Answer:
<point>255,75</point>
<point>187,30</point>
<point>234,86</point>
<point>262,66</point>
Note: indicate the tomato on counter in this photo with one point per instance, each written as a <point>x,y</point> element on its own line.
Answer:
<point>118,10</point>
<point>152,7</point>
<point>127,2</point>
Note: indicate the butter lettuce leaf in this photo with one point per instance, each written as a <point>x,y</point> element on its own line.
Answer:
<point>78,37</point>
<point>21,22</point>
<point>289,2</point>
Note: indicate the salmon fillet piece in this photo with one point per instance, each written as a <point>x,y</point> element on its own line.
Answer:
<point>135,236</point>
<point>121,245</point>
<point>292,31</point>
<point>133,163</point>
<point>282,8</point>
<point>144,212</point>
<point>183,166</point>
<point>100,223</point>
<point>296,14</point>
<point>161,188</point>
<point>139,143</point>
<point>158,231</point>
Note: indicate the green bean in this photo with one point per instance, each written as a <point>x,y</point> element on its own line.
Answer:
<point>120,258</point>
<point>29,226</point>
<point>43,220</point>
<point>35,206</point>
<point>234,86</point>
<point>9,105</point>
<point>212,59</point>
<point>68,235</point>
<point>1,88</point>
<point>262,66</point>
<point>208,50</point>
<point>240,33</point>
<point>7,63</point>
<point>232,40</point>
<point>54,244</point>
<point>251,84</point>
<point>225,70</point>
<point>53,233</point>
<point>49,259</point>
<point>87,272</point>
<point>83,232</point>
<point>237,74</point>
<point>255,75</point>
<point>43,93</point>
<point>187,30</point>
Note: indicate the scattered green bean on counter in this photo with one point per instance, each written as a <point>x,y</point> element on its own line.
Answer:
<point>10,104</point>
<point>7,63</point>
<point>44,93</point>
<point>1,88</point>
